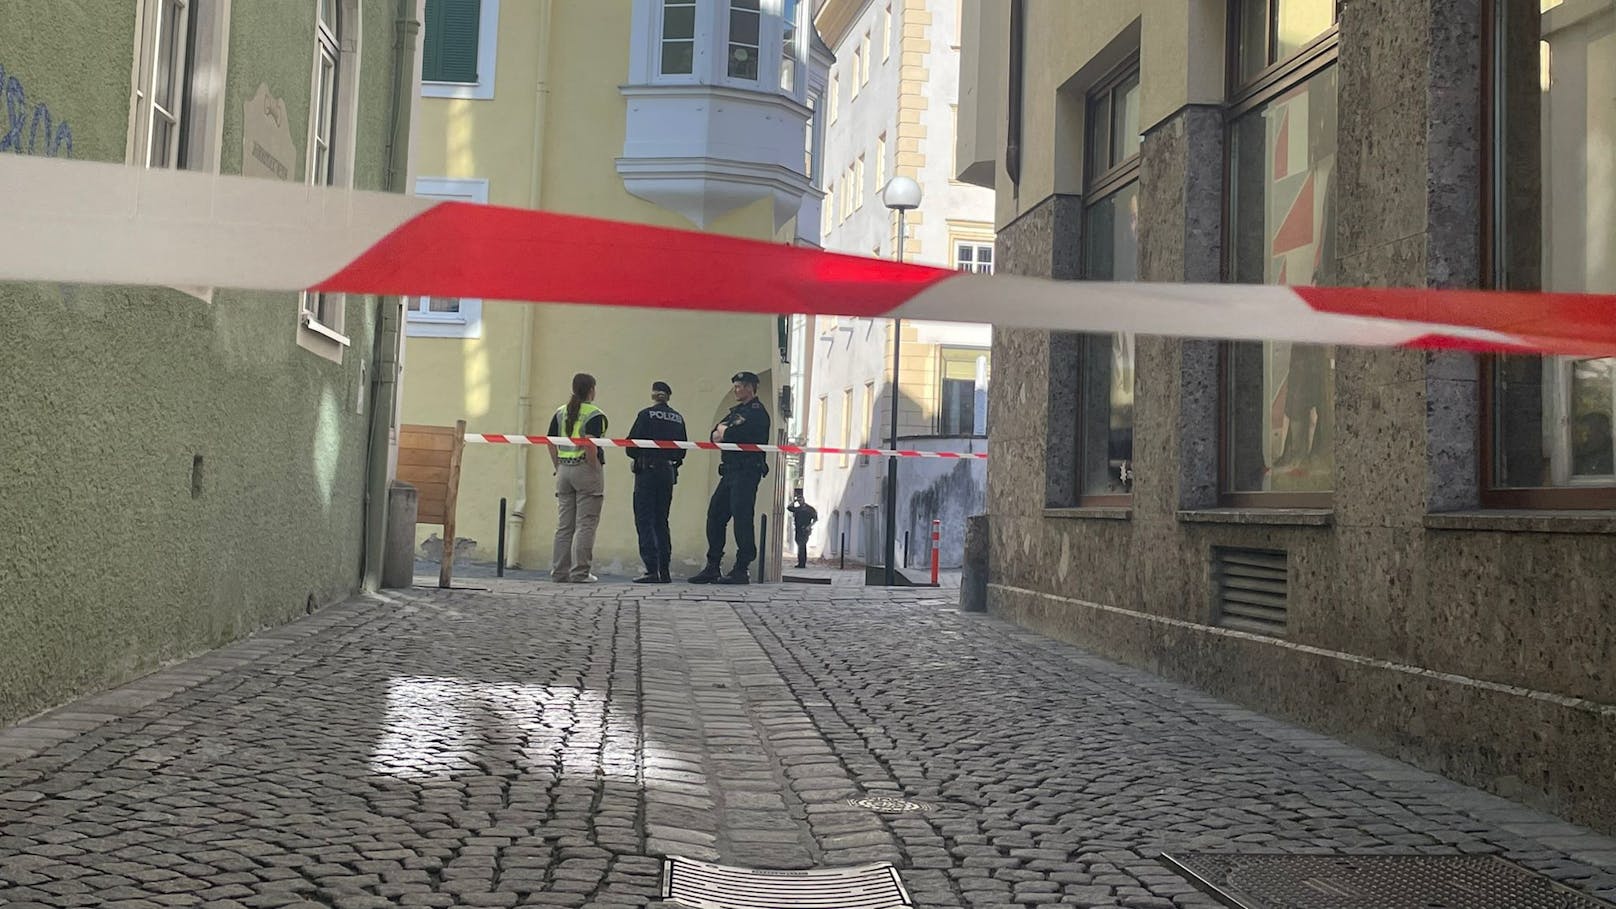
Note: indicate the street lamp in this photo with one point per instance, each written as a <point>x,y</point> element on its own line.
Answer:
<point>901,195</point>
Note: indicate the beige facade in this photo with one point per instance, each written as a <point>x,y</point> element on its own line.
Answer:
<point>570,109</point>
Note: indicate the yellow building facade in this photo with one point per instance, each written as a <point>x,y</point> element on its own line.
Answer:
<point>689,114</point>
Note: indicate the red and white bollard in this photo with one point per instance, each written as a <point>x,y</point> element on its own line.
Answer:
<point>936,548</point>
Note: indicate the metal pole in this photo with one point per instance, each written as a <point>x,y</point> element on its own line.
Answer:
<point>906,549</point>
<point>763,543</point>
<point>892,462</point>
<point>843,562</point>
<point>501,570</point>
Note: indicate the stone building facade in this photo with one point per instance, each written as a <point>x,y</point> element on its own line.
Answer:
<point>1414,550</point>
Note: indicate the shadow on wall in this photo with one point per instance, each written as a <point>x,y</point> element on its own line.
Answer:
<point>928,489</point>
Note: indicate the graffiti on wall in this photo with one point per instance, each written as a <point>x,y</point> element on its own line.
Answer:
<point>29,130</point>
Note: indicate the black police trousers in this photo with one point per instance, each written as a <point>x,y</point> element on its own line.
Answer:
<point>734,499</point>
<point>802,548</point>
<point>653,497</point>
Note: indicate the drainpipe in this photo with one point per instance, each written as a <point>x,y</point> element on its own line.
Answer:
<point>387,352</point>
<point>524,387</point>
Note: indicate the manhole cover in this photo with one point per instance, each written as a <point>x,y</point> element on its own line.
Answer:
<point>1278,881</point>
<point>706,886</point>
<point>884,804</point>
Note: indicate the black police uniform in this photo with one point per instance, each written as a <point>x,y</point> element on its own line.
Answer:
<point>655,473</point>
<point>803,516</point>
<point>739,473</point>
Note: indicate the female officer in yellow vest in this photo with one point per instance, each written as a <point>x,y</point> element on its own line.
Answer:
<point>580,482</point>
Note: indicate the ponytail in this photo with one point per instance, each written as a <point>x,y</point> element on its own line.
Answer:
<point>661,397</point>
<point>583,384</point>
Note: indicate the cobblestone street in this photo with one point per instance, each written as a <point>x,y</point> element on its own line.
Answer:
<point>542,745</point>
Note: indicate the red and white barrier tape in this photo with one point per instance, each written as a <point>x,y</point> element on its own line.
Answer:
<point>83,222</point>
<point>508,439</point>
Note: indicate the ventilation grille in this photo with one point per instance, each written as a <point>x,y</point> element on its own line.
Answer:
<point>1250,590</point>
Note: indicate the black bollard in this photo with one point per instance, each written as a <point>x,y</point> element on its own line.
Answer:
<point>763,543</point>
<point>906,549</point>
<point>844,551</point>
<point>500,571</point>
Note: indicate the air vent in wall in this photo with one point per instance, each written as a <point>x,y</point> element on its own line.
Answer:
<point>1250,589</point>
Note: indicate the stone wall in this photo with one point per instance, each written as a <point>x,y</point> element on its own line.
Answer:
<point>1475,644</point>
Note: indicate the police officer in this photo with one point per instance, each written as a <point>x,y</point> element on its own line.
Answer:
<point>739,473</point>
<point>655,472</point>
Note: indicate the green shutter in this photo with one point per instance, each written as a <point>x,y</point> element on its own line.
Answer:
<point>452,28</point>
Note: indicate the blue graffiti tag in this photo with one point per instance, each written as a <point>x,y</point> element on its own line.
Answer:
<point>17,121</point>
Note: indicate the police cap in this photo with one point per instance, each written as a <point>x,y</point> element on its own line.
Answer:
<point>745,378</point>
<point>662,387</point>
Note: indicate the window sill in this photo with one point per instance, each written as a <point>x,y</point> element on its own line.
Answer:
<point>1091,513</point>
<point>471,91</point>
<point>1525,521</point>
<point>312,324</point>
<point>1287,517</point>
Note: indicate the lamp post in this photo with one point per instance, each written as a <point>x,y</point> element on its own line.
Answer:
<point>901,195</point>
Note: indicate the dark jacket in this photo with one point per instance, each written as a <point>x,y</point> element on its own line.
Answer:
<point>662,423</point>
<point>803,516</point>
<point>746,423</point>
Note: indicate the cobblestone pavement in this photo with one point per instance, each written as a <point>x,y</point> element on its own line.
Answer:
<point>540,745</point>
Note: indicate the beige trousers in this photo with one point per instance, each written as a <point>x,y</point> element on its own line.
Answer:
<point>580,491</point>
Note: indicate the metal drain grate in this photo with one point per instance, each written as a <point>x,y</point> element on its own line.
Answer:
<point>883,804</point>
<point>1280,881</point>
<point>702,885</point>
<point>1250,589</point>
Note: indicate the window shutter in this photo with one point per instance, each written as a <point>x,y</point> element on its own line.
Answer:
<point>452,28</point>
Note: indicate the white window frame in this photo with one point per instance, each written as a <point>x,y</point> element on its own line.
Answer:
<point>791,56</point>
<point>487,61</point>
<point>858,184</point>
<point>858,70</point>
<point>880,162</point>
<point>468,322</point>
<point>201,119</point>
<point>325,337</point>
<point>835,95</point>
<point>144,110</point>
<point>886,33</point>
<point>976,245</point>
<point>768,48</point>
<point>865,51</point>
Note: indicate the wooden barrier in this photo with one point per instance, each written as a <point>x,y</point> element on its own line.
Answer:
<point>429,460</point>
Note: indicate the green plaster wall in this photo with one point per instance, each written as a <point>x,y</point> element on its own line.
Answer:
<point>110,565</point>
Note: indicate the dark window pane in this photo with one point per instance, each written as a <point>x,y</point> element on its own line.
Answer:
<point>1111,237</point>
<point>1593,404</point>
<point>678,57</point>
<point>743,26</point>
<point>1098,148</point>
<point>1125,120</point>
<point>1298,22</point>
<point>1519,455</point>
<point>1280,396</point>
<point>679,21</point>
<point>1254,26</point>
<point>1105,432</point>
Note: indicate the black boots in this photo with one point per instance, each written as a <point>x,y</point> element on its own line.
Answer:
<point>707,575</point>
<point>737,575</point>
<point>659,576</point>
